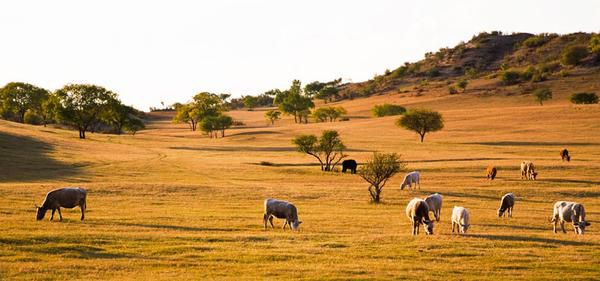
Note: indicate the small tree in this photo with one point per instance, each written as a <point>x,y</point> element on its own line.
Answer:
<point>573,55</point>
<point>584,98</point>
<point>379,170</point>
<point>542,95</point>
<point>18,98</point>
<point>421,121</point>
<point>328,149</point>
<point>462,84</point>
<point>273,115</point>
<point>510,77</point>
<point>223,122</point>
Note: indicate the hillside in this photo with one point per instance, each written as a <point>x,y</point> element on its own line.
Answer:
<point>537,58</point>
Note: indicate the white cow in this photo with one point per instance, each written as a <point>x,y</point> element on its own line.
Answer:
<point>434,201</point>
<point>410,178</point>
<point>460,219</point>
<point>569,212</point>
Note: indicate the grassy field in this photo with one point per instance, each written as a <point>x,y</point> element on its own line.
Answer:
<point>168,203</point>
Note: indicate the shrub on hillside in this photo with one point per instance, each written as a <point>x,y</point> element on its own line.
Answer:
<point>542,95</point>
<point>595,44</point>
<point>452,90</point>
<point>32,118</point>
<point>573,55</point>
<point>538,40</point>
<point>584,98</point>
<point>387,110</point>
<point>510,77</point>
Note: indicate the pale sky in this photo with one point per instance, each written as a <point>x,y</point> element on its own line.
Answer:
<point>153,51</point>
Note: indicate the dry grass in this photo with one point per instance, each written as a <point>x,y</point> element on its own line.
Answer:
<point>172,204</point>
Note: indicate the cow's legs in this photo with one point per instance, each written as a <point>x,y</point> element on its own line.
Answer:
<point>554,225</point>
<point>82,207</point>
<point>52,217</point>
<point>285,224</point>
<point>265,219</point>
<point>59,214</point>
<point>453,224</point>
<point>562,226</point>
<point>271,221</point>
<point>510,212</point>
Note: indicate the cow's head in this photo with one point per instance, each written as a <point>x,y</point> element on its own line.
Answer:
<point>295,225</point>
<point>534,175</point>
<point>428,225</point>
<point>41,212</point>
<point>501,212</point>
<point>580,226</point>
<point>402,186</point>
<point>464,227</point>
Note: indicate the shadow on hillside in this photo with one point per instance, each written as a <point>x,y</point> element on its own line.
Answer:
<point>248,148</point>
<point>530,143</point>
<point>25,158</point>
<point>455,160</point>
<point>571,181</point>
<point>173,227</point>
<point>255,133</point>
<point>471,195</point>
<point>515,226</point>
<point>516,238</point>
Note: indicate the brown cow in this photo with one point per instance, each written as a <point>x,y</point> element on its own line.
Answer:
<point>69,197</point>
<point>417,212</point>
<point>564,155</point>
<point>491,172</point>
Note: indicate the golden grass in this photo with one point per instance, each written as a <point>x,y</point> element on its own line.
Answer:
<point>173,204</point>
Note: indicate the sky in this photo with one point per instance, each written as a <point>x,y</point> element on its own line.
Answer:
<point>153,51</point>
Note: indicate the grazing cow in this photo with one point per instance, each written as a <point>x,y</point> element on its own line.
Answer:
<point>410,178</point>
<point>460,220</point>
<point>491,172</point>
<point>564,155</point>
<point>349,164</point>
<point>528,170</point>
<point>417,212</point>
<point>569,212</point>
<point>281,210</point>
<point>434,202</point>
<point>68,197</point>
<point>506,204</point>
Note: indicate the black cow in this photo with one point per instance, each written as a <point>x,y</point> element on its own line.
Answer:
<point>349,165</point>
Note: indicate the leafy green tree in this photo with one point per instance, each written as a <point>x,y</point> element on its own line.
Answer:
<point>250,102</point>
<point>510,77</point>
<point>203,105</point>
<point>573,55</point>
<point>421,121</point>
<point>293,102</point>
<point>223,122</point>
<point>273,115</point>
<point>327,93</point>
<point>584,98</point>
<point>209,126</point>
<point>313,88</point>
<point>462,84</point>
<point>120,116</point>
<point>82,105</point>
<point>134,124</point>
<point>18,97</point>
<point>379,170</point>
<point>542,95</point>
<point>328,149</point>
<point>330,113</point>
<point>387,109</point>
<point>183,114</point>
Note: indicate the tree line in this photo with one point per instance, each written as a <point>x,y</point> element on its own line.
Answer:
<point>84,107</point>
<point>205,112</point>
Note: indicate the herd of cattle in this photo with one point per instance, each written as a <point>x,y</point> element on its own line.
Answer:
<point>417,209</point>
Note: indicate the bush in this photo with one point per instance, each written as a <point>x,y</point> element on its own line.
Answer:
<point>573,55</point>
<point>32,118</point>
<point>584,98</point>
<point>510,77</point>
<point>387,110</point>
<point>538,40</point>
<point>595,44</point>
<point>452,90</point>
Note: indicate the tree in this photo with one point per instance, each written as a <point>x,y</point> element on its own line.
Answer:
<point>330,114</point>
<point>203,105</point>
<point>223,122</point>
<point>584,98</point>
<point>121,116</point>
<point>224,97</point>
<point>542,95</point>
<point>573,55</point>
<point>82,104</point>
<point>134,124</point>
<point>595,44</point>
<point>379,170</point>
<point>462,84</point>
<point>18,97</point>
<point>328,149</point>
<point>213,124</point>
<point>273,115</point>
<point>421,121</point>
<point>510,77</point>
<point>327,93</point>
<point>313,88</point>
<point>209,125</point>
<point>294,103</point>
<point>250,102</point>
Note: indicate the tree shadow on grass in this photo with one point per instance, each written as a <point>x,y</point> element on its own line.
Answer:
<point>249,148</point>
<point>173,227</point>
<point>534,143</point>
<point>570,181</point>
<point>516,238</point>
<point>25,158</point>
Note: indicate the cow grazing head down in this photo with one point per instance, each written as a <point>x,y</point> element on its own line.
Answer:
<point>501,212</point>
<point>41,212</point>
<point>295,225</point>
<point>534,175</point>
<point>580,226</point>
<point>428,227</point>
<point>464,227</point>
